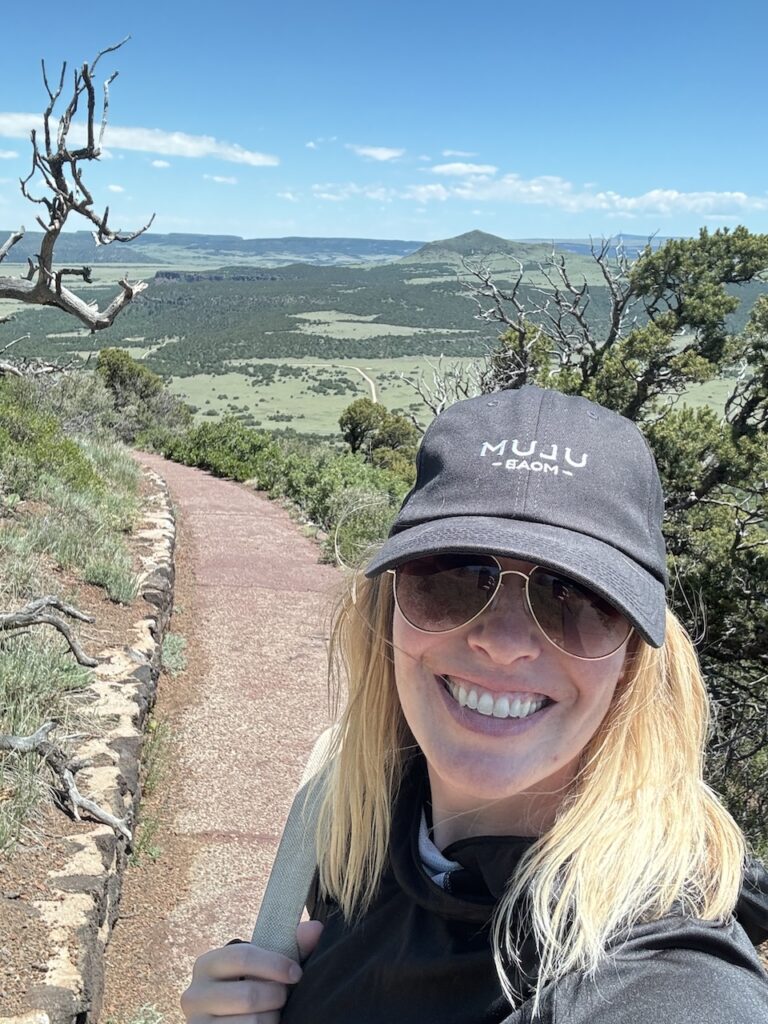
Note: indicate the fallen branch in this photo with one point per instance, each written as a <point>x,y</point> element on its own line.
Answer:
<point>64,768</point>
<point>36,613</point>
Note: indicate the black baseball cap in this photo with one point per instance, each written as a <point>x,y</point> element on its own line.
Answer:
<point>547,478</point>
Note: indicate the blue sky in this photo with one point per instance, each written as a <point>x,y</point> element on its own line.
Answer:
<point>414,120</point>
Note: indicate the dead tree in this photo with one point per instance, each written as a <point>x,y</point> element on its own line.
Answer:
<point>548,329</point>
<point>449,383</point>
<point>61,169</point>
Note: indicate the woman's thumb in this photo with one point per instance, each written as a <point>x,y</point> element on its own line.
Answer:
<point>307,937</point>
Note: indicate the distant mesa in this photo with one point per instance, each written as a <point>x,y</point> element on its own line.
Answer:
<point>197,251</point>
<point>179,249</point>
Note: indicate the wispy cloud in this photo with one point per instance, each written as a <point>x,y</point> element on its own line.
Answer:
<point>290,196</point>
<point>458,152</point>
<point>115,188</point>
<point>160,163</point>
<point>220,179</point>
<point>147,140</point>
<point>463,170</point>
<point>320,140</point>
<point>424,193</point>
<point>8,154</point>
<point>380,153</point>
<point>556,193</point>
<point>333,193</point>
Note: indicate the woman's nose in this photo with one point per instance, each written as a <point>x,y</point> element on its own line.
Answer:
<point>506,631</point>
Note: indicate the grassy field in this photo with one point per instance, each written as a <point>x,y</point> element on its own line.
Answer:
<point>293,393</point>
<point>330,323</point>
<point>309,394</point>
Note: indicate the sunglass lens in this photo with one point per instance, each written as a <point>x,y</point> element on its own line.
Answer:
<point>441,592</point>
<point>575,618</point>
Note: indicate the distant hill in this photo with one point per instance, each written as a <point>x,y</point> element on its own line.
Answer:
<point>478,243</point>
<point>214,250</point>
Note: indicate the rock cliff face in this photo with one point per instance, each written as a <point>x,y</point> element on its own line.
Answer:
<point>80,893</point>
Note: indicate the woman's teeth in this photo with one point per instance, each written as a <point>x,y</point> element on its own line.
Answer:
<point>496,706</point>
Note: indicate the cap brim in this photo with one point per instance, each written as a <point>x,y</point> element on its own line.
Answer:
<point>627,585</point>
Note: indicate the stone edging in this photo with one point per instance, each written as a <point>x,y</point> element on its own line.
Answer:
<point>84,895</point>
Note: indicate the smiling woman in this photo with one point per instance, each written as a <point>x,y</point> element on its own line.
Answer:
<point>516,825</point>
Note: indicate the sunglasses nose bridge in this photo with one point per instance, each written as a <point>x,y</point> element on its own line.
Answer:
<point>501,582</point>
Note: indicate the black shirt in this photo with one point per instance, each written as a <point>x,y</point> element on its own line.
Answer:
<point>422,955</point>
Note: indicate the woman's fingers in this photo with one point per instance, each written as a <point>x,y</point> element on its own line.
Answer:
<point>240,997</point>
<point>239,981</point>
<point>244,960</point>
<point>307,937</point>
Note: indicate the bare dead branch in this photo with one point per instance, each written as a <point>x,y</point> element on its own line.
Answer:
<point>61,172</point>
<point>64,769</point>
<point>449,383</point>
<point>38,612</point>
<point>6,247</point>
<point>15,341</point>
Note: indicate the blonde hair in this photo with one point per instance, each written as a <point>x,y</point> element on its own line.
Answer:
<point>638,836</point>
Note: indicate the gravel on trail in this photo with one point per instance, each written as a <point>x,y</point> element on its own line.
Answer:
<point>252,602</point>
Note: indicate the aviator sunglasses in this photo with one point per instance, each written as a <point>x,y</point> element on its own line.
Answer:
<point>443,592</point>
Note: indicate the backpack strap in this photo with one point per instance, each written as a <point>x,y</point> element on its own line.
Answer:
<point>295,862</point>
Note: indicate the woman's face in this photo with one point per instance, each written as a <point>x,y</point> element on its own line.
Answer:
<point>477,758</point>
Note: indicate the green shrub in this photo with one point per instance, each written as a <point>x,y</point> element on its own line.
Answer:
<point>226,448</point>
<point>319,481</point>
<point>32,443</point>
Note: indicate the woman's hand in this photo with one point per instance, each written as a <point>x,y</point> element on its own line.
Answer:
<point>247,984</point>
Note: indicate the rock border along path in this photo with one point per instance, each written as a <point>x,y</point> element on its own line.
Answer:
<point>253,603</point>
<point>81,902</point>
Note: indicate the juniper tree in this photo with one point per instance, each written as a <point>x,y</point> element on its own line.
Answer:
<point>667,328</point>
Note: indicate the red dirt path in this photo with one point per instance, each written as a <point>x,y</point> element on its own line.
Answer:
<point>252,602</point>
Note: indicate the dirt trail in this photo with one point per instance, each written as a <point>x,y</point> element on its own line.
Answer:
<point>252,603</point>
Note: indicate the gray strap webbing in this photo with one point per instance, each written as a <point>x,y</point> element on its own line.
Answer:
<point>295,861</point>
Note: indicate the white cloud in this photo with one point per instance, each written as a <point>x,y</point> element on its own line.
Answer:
<point>423,193</point>
<point>339,193</point>
<point>290,196</point>
<point>381,153</point>
<point>147,140</point>
<point>220,179</point>
<point>311,145</point>
<point>463,170</point>
<point>160,163</point>
<point>559,193</point>
<point>8,154</point>
<point>554,192</point>
<point>115,188</point>
<point>458,152</point>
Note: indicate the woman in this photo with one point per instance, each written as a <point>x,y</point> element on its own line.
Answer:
<point>516,826</point>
